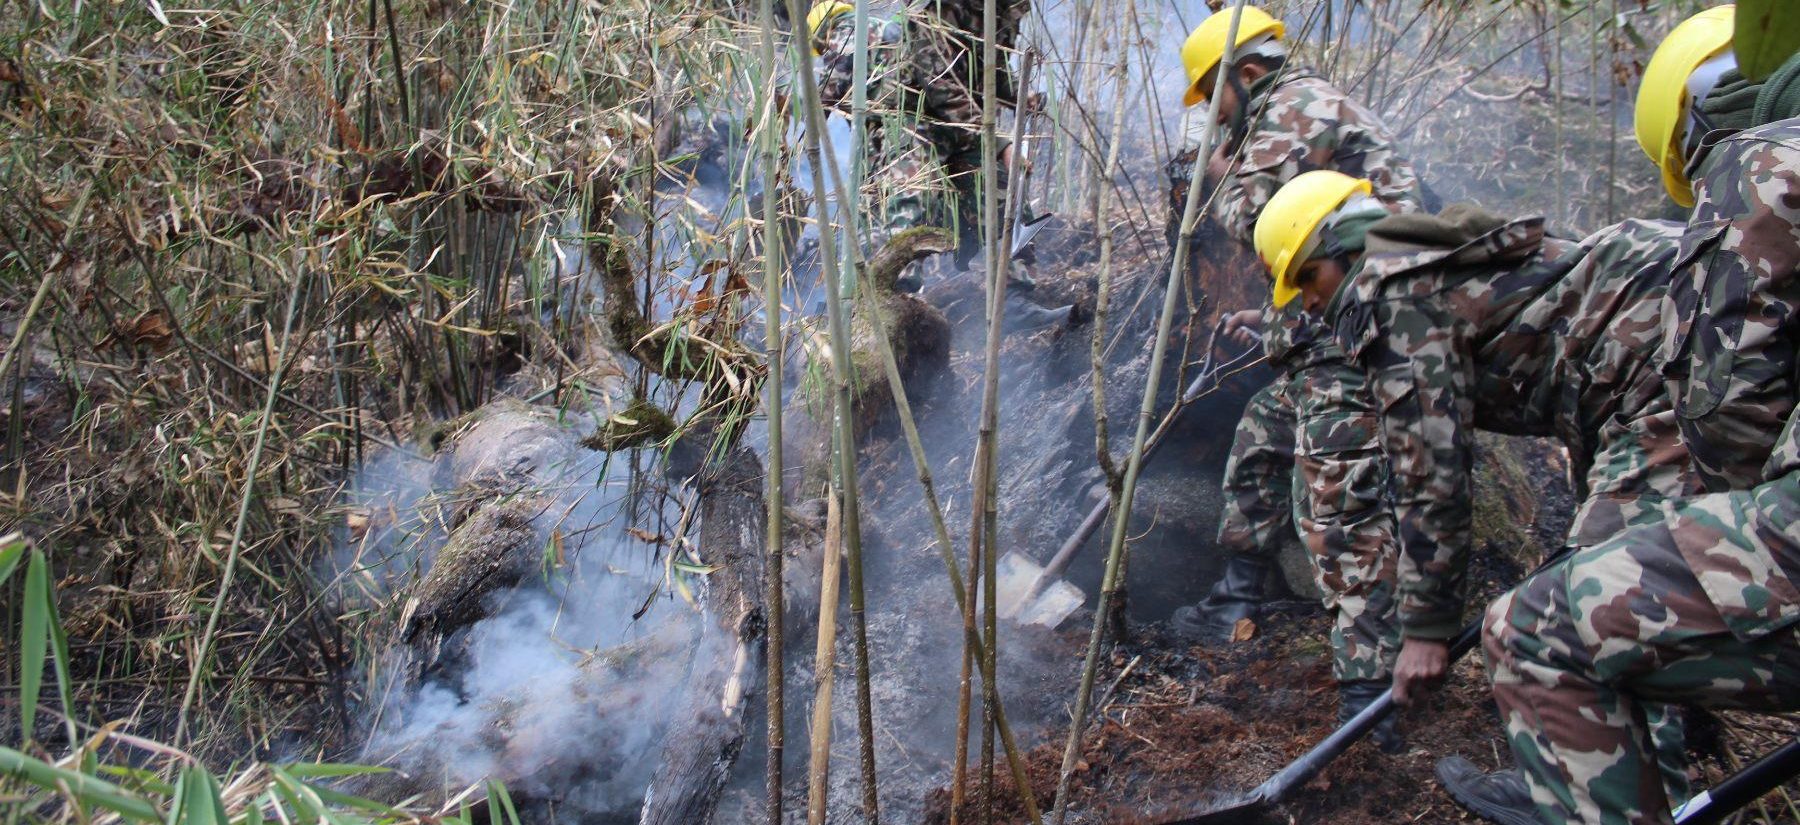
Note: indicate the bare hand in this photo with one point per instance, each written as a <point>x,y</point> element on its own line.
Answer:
<point>1006,159</point>
<point>1244,326</point>
<point>1219,165</point>
<point>1420,666</point>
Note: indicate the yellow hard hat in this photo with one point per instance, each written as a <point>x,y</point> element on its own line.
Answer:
<point>1289,220</point>
<point>823,13</point>
<point>1662,101</point>
<point>1205,47</point>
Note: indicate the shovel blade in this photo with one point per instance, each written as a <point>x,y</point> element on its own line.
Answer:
<point>1053,602</point>
<point>1237,810</point>
<point>1024,231</point>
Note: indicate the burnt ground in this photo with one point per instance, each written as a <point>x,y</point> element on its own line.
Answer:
<point>1190,724</point>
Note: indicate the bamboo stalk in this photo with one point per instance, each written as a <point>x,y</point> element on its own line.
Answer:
<point>825,656</point>
<point>232,552</point>
<point>1102,297</point>
<point>1146,411</point>
<point>959,792</point>
<point>990,376</point>
<point>772,387</point>
<point>842,412</point>
<point>859,140</point>
<point>1015,756</point>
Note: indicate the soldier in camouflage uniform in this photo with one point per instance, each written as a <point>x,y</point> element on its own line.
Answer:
<point>1305,455</point>
<point>924,126</point>
<point>1701,607</point>
<point>1465,321</point>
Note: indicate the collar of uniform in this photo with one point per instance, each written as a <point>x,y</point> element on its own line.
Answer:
<point>1457,236</point>
<point>1268,83</point>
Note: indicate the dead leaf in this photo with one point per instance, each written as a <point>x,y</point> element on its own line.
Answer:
<point>150,329</point>
<point>1243,631</point>
<point>644,536</point>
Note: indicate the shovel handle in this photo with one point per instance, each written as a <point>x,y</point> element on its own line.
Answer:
<point>1742,788</point>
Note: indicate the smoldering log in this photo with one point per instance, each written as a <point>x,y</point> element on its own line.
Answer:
<point>492,551</point>
<point>699,750</point>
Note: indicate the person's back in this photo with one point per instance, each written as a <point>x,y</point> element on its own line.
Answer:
<point>1467,321</point>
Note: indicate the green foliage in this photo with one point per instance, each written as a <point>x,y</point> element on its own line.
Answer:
<point>40,632</point>
<point>262,793</point>
<point>1767,34</point>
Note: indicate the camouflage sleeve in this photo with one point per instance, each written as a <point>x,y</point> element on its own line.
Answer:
<point>943,78</point>
<point>835,68</point>
<point>1422,375</point>
<point>1271,157</point>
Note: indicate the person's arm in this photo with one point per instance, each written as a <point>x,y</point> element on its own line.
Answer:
<point>951,119</point>
<point>1270,159</point>
<point>1295,133</point>
<point>1421,372</point>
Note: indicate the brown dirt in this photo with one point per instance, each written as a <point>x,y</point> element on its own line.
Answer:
<point>1188,725</point>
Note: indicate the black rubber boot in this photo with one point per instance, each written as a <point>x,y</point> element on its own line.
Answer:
<point>1239,594</point>
<point>1355,695</point>
<point>1500,796</point>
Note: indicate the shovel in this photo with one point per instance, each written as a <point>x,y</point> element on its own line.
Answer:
<point>1030,594</point>
<point>1742,788</point>
<point>1235,810</point>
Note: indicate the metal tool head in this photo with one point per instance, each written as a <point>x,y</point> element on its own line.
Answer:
<point>1237,809</point>
<point>1026,230</point>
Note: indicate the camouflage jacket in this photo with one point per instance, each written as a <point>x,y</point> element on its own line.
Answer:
<point>922,78</point>
<point>1493,326</point>
<point>1298,122</point>
<point>1730,344</point>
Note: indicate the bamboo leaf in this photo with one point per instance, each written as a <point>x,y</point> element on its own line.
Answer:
<point>33,636</point>
<point>497,791</point>
<point>90,790</point>
<point>348,801</point>
<point>197,799</point>
<point>59,649</point>
<point>318,770</point>
<point>12,548</point>
<point>1765,37</point>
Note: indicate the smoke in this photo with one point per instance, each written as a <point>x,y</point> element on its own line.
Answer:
<point>561,688</point>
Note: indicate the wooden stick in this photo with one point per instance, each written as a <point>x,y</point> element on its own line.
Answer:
<point>825,656</point>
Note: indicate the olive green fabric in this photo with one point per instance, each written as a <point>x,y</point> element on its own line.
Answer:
<point>1731,104</point>
<point>1779,98</point>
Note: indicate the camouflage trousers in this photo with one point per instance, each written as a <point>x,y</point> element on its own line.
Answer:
<point>1639,465</point>
<point>1580,652</point>
<point>1307,457</point>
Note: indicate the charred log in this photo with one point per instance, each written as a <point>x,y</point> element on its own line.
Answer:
<point>699,750</point>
